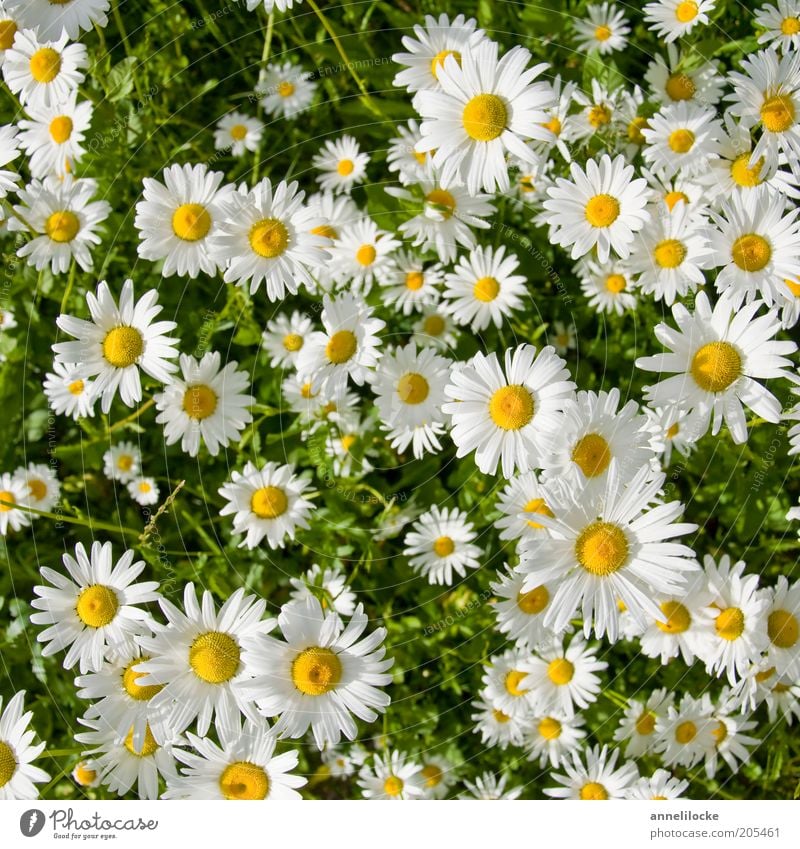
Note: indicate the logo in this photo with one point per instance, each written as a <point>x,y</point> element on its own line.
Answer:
<point>31,822</point>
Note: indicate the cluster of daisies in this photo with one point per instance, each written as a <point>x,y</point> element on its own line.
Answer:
<point>682,193</point>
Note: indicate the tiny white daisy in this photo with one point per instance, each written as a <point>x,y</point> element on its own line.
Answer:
<point>596,778</point>
<point>53,136</point>
<point>441,542</point>
<point>18,775</point>
<point>122,462</point>
<point>143,491</point>
<point>606,29</point>
<point>238,133</point>
<point>342,163</point>
<point>330,583</point>
<point>42,483</point>
<point>67,393</point>
<point>286,90</point>
<point>672,19</point>
<point>393,776</point>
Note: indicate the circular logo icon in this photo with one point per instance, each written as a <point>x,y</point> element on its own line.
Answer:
<point>31,822</point>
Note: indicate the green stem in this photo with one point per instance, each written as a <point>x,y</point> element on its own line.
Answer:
<point>71,520</point>
<point>259,109</point>
<point>127,45</point>
<point>68,290</point>
<point>133,416</point>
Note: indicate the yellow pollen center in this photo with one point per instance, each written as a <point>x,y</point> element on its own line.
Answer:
<point>325,230</point>
<point>511,407</point>
<point>191,222</point>
<point>537,505</point>
<point>592,455</point>
<point>751,252</point>
<point>777,113</point>
<point>594,792</point>
<point>38,488</point>
<point>214,657</point>
<point>672,198</point>
<point>149,745</point>
<point>793,286</point>
<point>782,627</point>
<point>669,253</point>
<point>512,682</point>
<point>286,89</point>
<point>144,487</point>
<point>602,33</point>
<point>8,29</point>
<point>365,255</point>
<point>432,774</point>
<point>269,238</point>
<point>554,125</point>
<point>646,723</point>
<point>680,87</point>
<point>348,441</point>
<point>45,65</point>
<point>443,201</point>
<point>306,391</point>
<point>486,289</point>
<point>8,763</point>
<point>76,387</point>
<point>61,129</point>
<point>122,346</point>
<point>292,342</point>
<point>765,675</point>
<point>716,366</point>
<point>790,26</point>
<point>602,210</point>
<point>393,786</point>
<point>686,11</point>
<point>199,402</point>
<point>84,775</point>
<point>615,283</point>
<point>433,325</point>
<point>341,347</point>
<point>443,546</point>
<point>681,141</point>
<point>414,280</point>
<point>137,691</point>
<point>685,732</point>
<point>599,115</point>
<point>62,226</point>
<point>549,728</point>
<point>412,388</point>
<point>534,601</point>
<point>269,502</point>
<point>500,717</point>
<point>316,671</point>
<point>238,132</point>
<point>97,606</point>
<point>125,462</point>
<point>720,732</point>
<point>602,548</point>
<point>244,781</point>
<point>438,60</point>
<point>678,618</point>
<point>560,671</point>
<point>745,176</point>
<point>635,134</point>
<point>730,624</point>
<point>345,167</point>
<point>485,117</point>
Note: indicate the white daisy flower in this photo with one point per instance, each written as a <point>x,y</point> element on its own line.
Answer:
<point>18,775</point>
<point>502,684</point>
<point>343,763</point>
<point>50,18</point>
<point>440,543</point>
<point>342,164</point>
<point>328,582</point>
<point>409,393</point>
<point>686,735</point>
<point>117,342</point>
<point>600,114</point>
<point>271,5</point>
<point>598,778</point>
<point>486,108</point>
<point>85,775</point>
<point>669,428</point>
<point>393,776</point>
<point>666,193</point>
<point>437,330</point>
<point>489,787</point>
<point>321,673</point>
<point>606,29</point>
<point>507,414</point>
<point>781,23</point>
<point>238,133</point>
<point>678,77</point>
<point>143,491</point>
<point>7,320</point>
<point>783,628</point>
<point>682,137</point>
<point>44,72</point>
<point>437,776</point>
<point>122,462</point>
<point>10,24</point>
<point>552,739</point>
<point>337,212</point>
<point>558,117</point>
<point>483,289</point>
<point>67,393</point>
<point>731,744</point>
<point>286,89</point>
<point>93,612</point>
<point>661,785</point>
<point>638,724</point>
<point>520,501</point>
<point>266,502</point>
<point>672,19</point>
<point>714,358</point>
<point>520,614</point>
<point>496,727</point>
<point>402,156</point>
<point>243,766</point>
<point>362,253</point>
<point>600,207</point>
<point>411,284</point>
<point>53,136</point>
<point>199,657</point>
<point>62,219</point>
<point>284,337</point>
<point>42,483</point>
<point>608,286</point>
<point>176,219</point>
<point>9,151</point>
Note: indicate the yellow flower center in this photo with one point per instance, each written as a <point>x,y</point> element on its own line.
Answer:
<point>599,115</point>
<point>672,430</point>
<point>716,366</point>
<point>745,176</point>
<point>366,254</point>
<point>191,222</point>
<point>8,29</point>
<point>414,280</point>
<point>646,723</point>
<point>526,183</point>
<point>37,488</point>
<point>720,732</point>
<point>782,627</point>
<point>122,346</point>
<point>793,286</point>
<point>432,774</point>
<point>316,671</point>
<point>534,601</point>
<point>511,407</point>
<point>681,141</point>
<point>149,745</point>
<point>244,781</point>
<point>144,487</point>
<point>790,26</point>
<point>669,253</point>
<point>292,342</point>
<point>325,230</point>
<point>486,289</point>
<point>602,33</point>
<point>680,86</point>
<point>485,117</point>
<point>730,624</point>
<point>602,548</point>
<point>393,786</point>
<point>537,505</point>
<point>85,775</point>
<point>269,238</point>
<point>269,502</point>
<point>549,728</point>
<point>433,325</point>
<point>751,252</point>
<point>615,283</point>
<point>345,167</point>
<point>348,441</point>
<point>765,675</point>
<point>777,113</point>
<point>125,462</point>
<point>442,201</point>
<point>443,546</point>
<point>214,657</point>
<point>635,134</point>
<point>286,89</point>
<point>61,129</point>
<point>45,64</point>
<point>412,388</point>
<point>512,682</point>
<point>594,792</point>
<point>137,691</point>
<point>8,763</point>
<point>678,618</point>
<point>602,210</point>
<point>438,60</point>
<point>76,387</point>
<point>560,671</point>
<point>592,455</point>
<point>686,11</point>
<point>554,125</point>
<point>62,226</point>
<point>685,732</point>
<point>97,606</point>
<point>238,132</point>
<point>500,717</point>
<point>199,402</point>
<point>341,347</point>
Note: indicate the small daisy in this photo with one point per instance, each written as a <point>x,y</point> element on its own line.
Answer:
<point>520,501</point>
<point>10,24</point>
<point>520,614</point>
<point>411,283</point>
<point>682,137</point>
<point>437,776</point>
<point>677,78</point>
<point>266,502</point>
<point>781,23</point>
<point>437,330</point>
<point>242,767</point>
<point>503,688</point>
<point>638,724</point>
<point>343,763</point>
<point>563,338</point>
<point>85,775</point>
<point>409,393</point>
<point>13,491</point>
<point>731,742</point>
<point>238,133</point>
<point>9,151</point>
<point>714,357</point>
<point>402,155</point>
<point>489,787</point>
<point>50,18</point>
<point>67,393</point>
<point>507,414</point>
<point>552,739</point>
<point>596,778</point>
<point>660,786</point>
<point>7,320</point>
<point>198,658</point>
<point>440,543</point>
<point>17,751</point>
<point>176,219</point>
<point>496,727</point>
<point>669,428</point>
<point>672,19</point>
<point>143,491</point>
<point>342,164</point>
<point>94,612</point>
<point>43,73</point>
<point>286,90</point>
<point>783,628</point>
<point>122,462</point>
<point>284,337</point>
<point>686,735</point>
<point>42,483</point>
<point>602,207</point>
<point>320,674</point>
<point>329,583</point>
<point>117,342</point>
<point>606,29</point>
<point>608,286</point>
<point>53,137</point>
<point>336,211</point>
<point>362,253</point>
<point>393,776</point>
<point>558,117</point>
